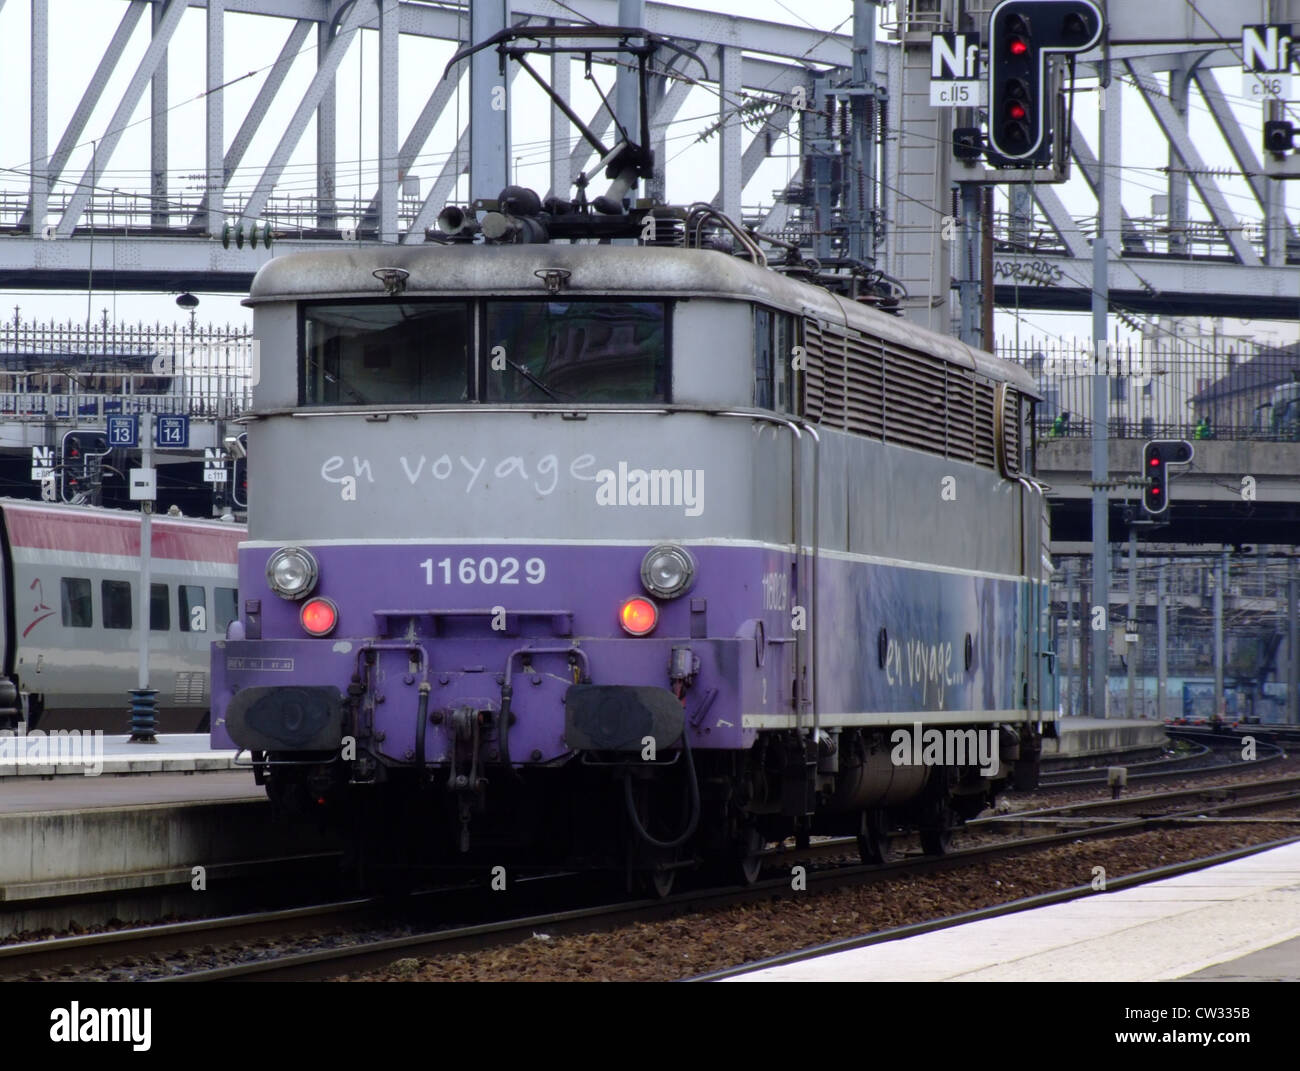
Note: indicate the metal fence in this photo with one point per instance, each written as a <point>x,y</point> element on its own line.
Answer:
<point>1168,388</point>
<point>52,370</point>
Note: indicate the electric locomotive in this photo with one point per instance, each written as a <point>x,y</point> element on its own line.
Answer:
<point>627,556</point>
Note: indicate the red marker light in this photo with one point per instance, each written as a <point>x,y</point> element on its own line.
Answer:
<point>1017,46</point>
<point>638,616</point>
<point>319,616</point>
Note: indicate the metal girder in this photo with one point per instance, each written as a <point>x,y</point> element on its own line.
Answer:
<point>71,135</point>
<point>1148,284</point>
<point>158,128</point>
<point>561,83</point>
<point>1087,161</point>
<point>1061,220</point>
<point>760,35</point>
<point>40,111</point>
<point>1180,139</point>
<point>455,165</point>
<point>423,126</point>
<point>214,183</point>
<point>729,178</point>
<point>761,147</point>
<point>354,18</point>
<point>489,104</point>
<point>103,154</point>
<point>389,171</point>
<point>1242,150</point>
<point>1202,21</point>
<point>665,108</point>
<point>326,138</point>
<point>257,111</point>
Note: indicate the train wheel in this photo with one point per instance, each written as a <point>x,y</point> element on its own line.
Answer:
<point>873,837</point>
<point>936,831</point>
<point>751,854</point>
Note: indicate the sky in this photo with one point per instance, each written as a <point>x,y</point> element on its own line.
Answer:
<point>79,30</point>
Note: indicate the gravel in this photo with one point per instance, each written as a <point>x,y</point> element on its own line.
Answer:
<point>723,937</point>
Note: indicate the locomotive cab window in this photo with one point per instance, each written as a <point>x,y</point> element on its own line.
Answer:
<point>74,592</point>
<point>774,342</point>
<point>576,351</point>
<point>367,353</point>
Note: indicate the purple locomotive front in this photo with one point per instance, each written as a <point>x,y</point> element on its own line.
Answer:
<point>564,552</point>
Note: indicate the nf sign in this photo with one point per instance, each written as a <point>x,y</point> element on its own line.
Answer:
<point>955,70</point>
<point>1266,62</point>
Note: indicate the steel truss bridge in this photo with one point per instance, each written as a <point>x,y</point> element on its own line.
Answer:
<point>65,225</point>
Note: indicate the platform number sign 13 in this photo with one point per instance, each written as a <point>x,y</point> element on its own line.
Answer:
<point>124,431</point>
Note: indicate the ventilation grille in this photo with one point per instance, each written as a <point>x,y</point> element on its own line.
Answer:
<point>897,395</point>
<point>191,687</point>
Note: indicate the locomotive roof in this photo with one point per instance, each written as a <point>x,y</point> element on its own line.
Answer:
<point>466,270</point>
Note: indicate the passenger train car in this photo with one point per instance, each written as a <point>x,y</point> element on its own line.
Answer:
<point>630,556</point>
<point>70,580</point>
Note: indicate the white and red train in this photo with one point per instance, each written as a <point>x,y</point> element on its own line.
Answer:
<point>69,588</point>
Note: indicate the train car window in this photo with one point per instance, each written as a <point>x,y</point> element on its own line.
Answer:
<point>589,351</point>
<point>116,598</point>
<point>159,609</point>
<point>225,603</point>
<point>191,608</point>
<point>75,597</point>
<point>370,353</point>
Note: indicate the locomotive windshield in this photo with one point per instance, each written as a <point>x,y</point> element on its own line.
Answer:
<point>382,353</point>
<point>376,353</point>
<point>591,351</point>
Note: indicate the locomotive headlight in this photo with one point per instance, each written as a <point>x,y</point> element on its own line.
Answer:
<point>667,571</point>
<point>292,572</point>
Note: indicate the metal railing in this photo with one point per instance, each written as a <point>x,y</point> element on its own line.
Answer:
<point>65,371</point>
<point>1170,388</point>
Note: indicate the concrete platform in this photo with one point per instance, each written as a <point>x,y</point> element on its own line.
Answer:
<point>1077,737</point>
<point>114,838</point>
<point>87,755</point>
<point>1239,920</point>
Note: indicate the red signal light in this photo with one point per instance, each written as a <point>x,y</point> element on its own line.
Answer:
<point>319,616</point>
<point>638,616</point>
<point>1017,46</point>
<point>1016,110</point>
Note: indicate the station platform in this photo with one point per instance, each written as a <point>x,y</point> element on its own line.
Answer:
<point>1239,920</point>
<point>1078,737</point>
<point>90,755</point>
<point>85,850</point>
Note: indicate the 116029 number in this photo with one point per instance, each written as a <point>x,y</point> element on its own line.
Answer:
<point>485,570</point>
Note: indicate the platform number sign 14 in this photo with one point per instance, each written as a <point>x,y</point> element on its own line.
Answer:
<point>173,431</point>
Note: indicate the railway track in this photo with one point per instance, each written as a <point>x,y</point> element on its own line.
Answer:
<point>1093,819</point>
<point>1152,769</point>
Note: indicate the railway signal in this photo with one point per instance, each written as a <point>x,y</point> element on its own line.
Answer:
<point>1022,35</point>
<point>1157,456</point>
<point>1279,136</point>
<point>79,463</point>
